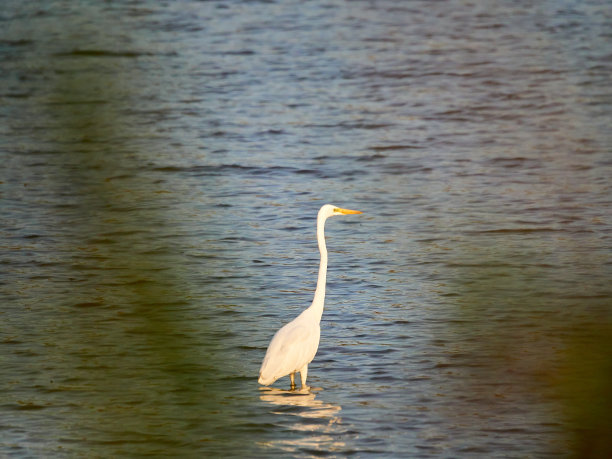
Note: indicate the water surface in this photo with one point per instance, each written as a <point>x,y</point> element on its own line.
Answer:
<point>162,166</point>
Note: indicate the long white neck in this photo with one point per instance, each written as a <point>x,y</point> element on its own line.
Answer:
<point>319,296</point>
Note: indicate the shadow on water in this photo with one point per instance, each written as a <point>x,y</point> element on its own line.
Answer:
<point>117,348</point>
<point>317,426</point>
<point>583,381</point>
<point>521,334</point>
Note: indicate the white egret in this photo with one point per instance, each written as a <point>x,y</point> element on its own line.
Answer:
<point>294,346</point>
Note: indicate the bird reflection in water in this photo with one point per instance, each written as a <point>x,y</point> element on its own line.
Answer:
<point>318,420</point>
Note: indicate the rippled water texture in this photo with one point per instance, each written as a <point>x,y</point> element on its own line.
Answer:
<point>162,164</point>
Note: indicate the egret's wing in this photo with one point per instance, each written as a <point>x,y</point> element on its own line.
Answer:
<point>292,347</point>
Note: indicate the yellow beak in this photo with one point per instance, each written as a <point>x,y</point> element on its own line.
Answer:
<point>347,211</point>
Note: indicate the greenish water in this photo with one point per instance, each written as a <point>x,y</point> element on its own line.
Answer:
<point>162,166</point>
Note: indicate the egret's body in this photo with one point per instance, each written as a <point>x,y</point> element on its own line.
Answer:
<point>294,346</point>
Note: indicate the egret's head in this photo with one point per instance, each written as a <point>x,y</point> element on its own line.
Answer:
<point>329,210</point>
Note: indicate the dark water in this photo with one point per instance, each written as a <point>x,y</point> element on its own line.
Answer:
<point>161,167</point>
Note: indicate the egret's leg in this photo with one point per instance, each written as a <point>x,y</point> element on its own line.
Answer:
<point>303,375</point>
<point>292,376</point>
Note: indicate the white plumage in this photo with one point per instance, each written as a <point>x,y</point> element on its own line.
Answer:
<point>294,346</point>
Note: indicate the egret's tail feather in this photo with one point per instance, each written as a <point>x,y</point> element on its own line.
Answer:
<point>265,381</point>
